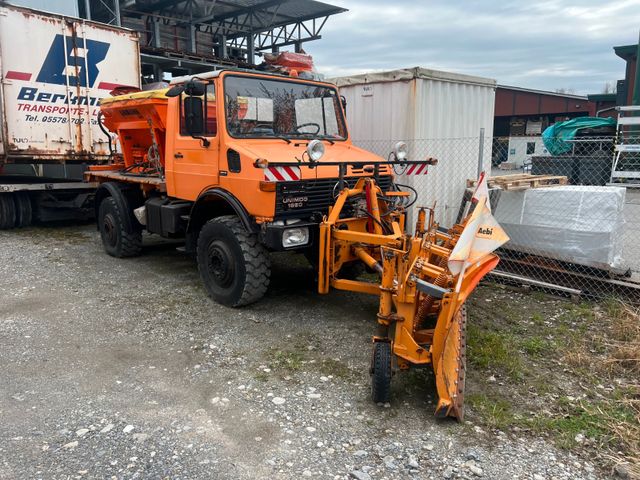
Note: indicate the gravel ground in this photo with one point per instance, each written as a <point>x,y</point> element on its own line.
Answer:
<point>117,368</point>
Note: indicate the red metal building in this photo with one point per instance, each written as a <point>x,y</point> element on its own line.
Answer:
<point>523,111</point>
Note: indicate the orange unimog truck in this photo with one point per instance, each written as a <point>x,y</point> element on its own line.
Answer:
<point>238,163</point>
<point>242,163</point>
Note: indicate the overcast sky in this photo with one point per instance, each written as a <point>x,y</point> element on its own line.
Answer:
<point>547,44</point>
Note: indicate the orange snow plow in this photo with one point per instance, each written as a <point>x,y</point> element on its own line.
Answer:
<point>425,280</point>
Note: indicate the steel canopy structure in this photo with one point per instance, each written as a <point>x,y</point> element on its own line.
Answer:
<point>190,36</point>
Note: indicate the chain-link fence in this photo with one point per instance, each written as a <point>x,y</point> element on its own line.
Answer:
<point>569,227</point>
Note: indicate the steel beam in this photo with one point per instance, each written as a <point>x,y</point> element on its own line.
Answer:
<point>239,12</point>
<point>193,47</point>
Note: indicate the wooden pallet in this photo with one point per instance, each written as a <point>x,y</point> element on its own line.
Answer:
<point>522,181</point>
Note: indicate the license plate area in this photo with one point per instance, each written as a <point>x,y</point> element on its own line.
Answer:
<point>293,196</point>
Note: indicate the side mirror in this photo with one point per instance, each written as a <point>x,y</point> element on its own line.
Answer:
<point>193,115</point>
<point>344,102</point>
<point>195,88</point>
<point>174,91</point>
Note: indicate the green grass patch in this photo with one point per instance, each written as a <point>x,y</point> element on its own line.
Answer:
<point>337,368</point>
<point>564,371</point>
<point>536,346</point>
<point>291,360</point>
<point>538,319</point>
<point>593,420</point>
<point>496,412</point>
<point>494,350</point>
<point>582,312</point>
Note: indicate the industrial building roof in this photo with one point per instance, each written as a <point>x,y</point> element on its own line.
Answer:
<point>626,52</point>
<point>543,92</point>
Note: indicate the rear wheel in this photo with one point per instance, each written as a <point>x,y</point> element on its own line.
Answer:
<point>233,264</point>
<point>7,211</point>
<point>117,241</point>
<point>381,372</point>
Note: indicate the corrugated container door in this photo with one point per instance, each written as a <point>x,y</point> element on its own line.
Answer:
<point>54,72</point>
<point>105,58</point>
<point>35,73</point>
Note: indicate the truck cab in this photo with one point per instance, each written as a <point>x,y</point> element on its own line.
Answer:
<point>238,163</point>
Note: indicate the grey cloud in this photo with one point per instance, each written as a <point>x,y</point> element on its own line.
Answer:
<point>547,44</point>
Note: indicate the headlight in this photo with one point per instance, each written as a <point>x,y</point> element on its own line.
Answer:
<point>294,237</point>
<point>315,149</point>
<point>400,150</point>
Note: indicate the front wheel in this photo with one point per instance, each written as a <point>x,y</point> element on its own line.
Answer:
<point>381,372</point>
<point>233,264</point>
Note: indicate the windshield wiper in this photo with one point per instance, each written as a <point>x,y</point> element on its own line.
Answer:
<point>255,135</point>
<point>328,139</point>
<point>282,137</point>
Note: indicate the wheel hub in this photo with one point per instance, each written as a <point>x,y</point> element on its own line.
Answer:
<point>221,264</point>
<point>109,227</point>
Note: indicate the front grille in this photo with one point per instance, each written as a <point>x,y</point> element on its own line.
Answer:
<point>317,195</point>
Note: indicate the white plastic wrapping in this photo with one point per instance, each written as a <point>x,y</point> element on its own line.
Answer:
<point>578,224</point>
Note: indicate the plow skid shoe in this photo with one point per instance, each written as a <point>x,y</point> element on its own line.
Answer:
<point>450,373</point>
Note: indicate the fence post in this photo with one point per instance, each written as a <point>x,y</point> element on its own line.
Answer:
<point>480,152</point>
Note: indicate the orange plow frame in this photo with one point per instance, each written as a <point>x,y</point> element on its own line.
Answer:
<point>421,313</point>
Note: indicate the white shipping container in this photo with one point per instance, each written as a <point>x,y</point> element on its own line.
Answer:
<point>54,71</point>
<point>439,114</point>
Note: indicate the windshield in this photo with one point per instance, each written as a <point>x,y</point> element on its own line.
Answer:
<point>258,107</point>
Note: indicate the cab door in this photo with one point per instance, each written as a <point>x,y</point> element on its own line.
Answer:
<point>195,150</point>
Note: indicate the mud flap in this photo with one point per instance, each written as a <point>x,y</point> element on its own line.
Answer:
<point>450,373</point>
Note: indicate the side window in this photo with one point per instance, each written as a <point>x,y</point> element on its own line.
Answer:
<point>209,113</point>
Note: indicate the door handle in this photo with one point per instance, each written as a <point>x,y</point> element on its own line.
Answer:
<point>178,155</point>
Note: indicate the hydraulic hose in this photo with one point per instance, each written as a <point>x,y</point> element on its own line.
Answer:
<point>105,131</point>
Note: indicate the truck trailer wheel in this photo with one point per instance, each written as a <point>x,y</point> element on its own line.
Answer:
<point>7,211</point>
<point>233,264</point>
<point>24,210</point>
<point>117,241</point>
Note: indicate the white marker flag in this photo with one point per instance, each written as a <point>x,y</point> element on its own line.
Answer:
<point>481,236</point>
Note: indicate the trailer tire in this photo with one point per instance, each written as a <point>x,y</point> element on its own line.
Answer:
<point>7,211</point>
<point>117,241</point>
<point>233,264</point>
<point>381,372</point>
<point>24,210</point>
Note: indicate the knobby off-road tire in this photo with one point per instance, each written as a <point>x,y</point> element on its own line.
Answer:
<point>117,241</point>
<point>233,264</point>
<point>7,211</point>
<point>381,372</point>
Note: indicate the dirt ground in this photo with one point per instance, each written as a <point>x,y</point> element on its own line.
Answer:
<point>124,368</point>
